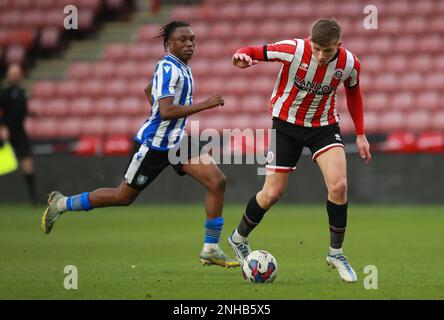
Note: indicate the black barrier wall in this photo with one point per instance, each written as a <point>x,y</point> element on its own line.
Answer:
<point>394,179</point>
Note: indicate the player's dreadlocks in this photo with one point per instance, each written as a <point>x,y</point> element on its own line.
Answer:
<point>168,29</point>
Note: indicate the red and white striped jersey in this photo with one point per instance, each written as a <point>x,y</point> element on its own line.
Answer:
<point>305,92</point>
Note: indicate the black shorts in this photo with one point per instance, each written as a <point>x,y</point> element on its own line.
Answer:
<point>146,163</point>
<point>291,139</point>
<point>21,145</point>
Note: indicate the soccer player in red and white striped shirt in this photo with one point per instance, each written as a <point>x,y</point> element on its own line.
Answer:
<point>303,106</point>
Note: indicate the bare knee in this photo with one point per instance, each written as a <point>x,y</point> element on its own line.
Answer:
<point>337,190</point>
<point>270,196</point>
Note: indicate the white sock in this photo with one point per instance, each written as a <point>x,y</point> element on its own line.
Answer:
<point>334,251</point>
<point>61,204</point>
<point>238,238</point>
<point>209,247</point>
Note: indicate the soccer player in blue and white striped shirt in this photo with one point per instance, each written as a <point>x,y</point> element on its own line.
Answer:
<point>171,95</point>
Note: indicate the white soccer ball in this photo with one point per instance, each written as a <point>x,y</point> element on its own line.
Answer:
<point>259,267</point>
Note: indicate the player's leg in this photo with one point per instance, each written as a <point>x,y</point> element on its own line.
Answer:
<point>205,171</point>
<point>334,170</point>
<point>144,166</point>
<point>272,190</point>
<point>282,158</point>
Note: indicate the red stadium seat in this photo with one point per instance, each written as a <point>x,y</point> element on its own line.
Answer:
<point>105,106</point>
<point>94,126</point>
<point>86,19</point>
<point>44,89</point>
<point>136,88</point>
<point>127,70</point>
<point>392,120</point>
<point>92,88</point>
<point>418,120</point>
<point>116,52</point>
<point>80,70</point>
<point>438,120</point>
<point>371,122</point>
<point>70,127</point>
<point>136,123</point>
<point>118,125</point>
<point>56,107</point>
<point>148,31</point>
<point>402,100</point>
<point>435,81</point>
<point>117,145</point>
<point>88,146</point>
<point>104,70</point>
<point>421,62</point>
<point>49,38</point>
<point>429,100</point>
<point>15,54</point>
<point>37,106</point>
<point>376,101</point>
<point>67,89</point>
<point>133,106</point>
<point>81,107</point>
<point>45,128</point>
<point>94,5</point>
<point>116,88</point>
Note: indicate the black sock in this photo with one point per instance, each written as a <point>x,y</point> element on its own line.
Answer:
<point>251,218</point>
<point>30,184</point>
<point>337,218</point>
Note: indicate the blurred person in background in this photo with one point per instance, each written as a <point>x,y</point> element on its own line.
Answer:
<point>13,111</point>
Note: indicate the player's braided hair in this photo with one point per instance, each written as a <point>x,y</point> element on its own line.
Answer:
<point>168,29</point>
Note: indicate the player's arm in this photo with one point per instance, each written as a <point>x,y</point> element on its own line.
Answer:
<point>168,110</point>
<point>355,107</point>
<point>282,51</point>
<point>248,56</point>
<point>148,92</point>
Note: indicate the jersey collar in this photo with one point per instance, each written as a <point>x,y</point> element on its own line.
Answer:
<point>172,56</point>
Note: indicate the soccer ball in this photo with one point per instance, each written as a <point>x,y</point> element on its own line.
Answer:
<point>260,267</point>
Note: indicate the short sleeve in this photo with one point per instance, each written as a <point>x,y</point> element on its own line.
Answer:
<point>167,77</point>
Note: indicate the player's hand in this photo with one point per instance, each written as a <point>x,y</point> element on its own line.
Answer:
<point>214,101</point>
<point>364,148</point>
<point>4,133</point>
<point>241,60</point>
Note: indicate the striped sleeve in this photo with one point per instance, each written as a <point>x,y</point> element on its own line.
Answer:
<point>353,79</point>
<point>167,77</point>
<point>282,51</point>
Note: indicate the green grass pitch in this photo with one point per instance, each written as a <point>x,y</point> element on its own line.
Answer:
<point>152,252</point>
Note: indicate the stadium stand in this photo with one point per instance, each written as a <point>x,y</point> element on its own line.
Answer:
<point>402,68</point>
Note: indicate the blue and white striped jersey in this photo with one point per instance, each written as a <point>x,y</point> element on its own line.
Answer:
<point>172,78</point>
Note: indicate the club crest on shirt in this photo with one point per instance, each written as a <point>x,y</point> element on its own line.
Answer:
<point>339,73</point>
<point>303,66</point>
<point>270,156</point>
